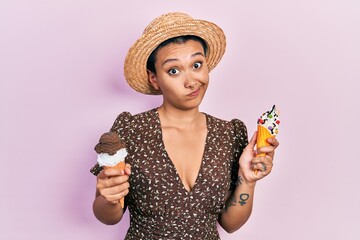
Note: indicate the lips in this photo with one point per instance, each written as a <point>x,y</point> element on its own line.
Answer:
<point>194,93</point>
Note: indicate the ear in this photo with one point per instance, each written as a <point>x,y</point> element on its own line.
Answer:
<point>153,80</point>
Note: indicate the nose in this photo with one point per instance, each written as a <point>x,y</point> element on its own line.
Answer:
<point>190,81</point>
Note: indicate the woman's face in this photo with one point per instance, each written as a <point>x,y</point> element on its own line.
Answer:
<point>181,74</point>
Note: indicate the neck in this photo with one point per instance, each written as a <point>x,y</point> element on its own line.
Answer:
<point>178,117</point>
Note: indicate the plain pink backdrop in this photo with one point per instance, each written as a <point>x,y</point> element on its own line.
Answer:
<point>62,85</point>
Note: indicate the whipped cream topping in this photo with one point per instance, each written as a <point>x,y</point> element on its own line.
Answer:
<point>270,120</point>
<point>105,159</point>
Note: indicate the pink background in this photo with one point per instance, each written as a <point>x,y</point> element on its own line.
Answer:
<point>62,85</point>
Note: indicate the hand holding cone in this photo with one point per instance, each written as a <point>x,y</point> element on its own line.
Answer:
<point>120,166</point>
<point>111,154</point>
<point>268,127</point>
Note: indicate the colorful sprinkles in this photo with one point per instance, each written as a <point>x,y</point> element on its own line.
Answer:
<point>270,120</point>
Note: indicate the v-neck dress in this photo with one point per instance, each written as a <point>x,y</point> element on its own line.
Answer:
<point>160,206</point>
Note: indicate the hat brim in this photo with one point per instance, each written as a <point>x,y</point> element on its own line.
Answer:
<point>135,62</point>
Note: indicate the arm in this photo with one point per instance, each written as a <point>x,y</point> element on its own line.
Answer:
<point>112,185</point>
<point>239,202</point>
<point>238,206</point>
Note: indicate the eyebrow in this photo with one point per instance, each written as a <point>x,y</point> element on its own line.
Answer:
<point>175,59</point>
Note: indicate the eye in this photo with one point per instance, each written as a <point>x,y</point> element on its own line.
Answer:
<point>197,65</point>
<point>173,71</point>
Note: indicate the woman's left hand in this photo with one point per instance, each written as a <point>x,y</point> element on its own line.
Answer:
<point>253,167</point>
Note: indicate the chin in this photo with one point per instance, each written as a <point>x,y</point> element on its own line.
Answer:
<point>193,104</point>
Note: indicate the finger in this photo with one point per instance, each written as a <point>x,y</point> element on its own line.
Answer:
<point>116,189</point>
<point>128,169</point>
<point>123,187</point>
<point>257,159</point>
<point>121,195</point>
<point>118,180</point>
<point>261,169</point>
<point>273,141</point>
<point>262,159</point>
<point>102,175</point>
<point>115,192</point>
<point>114,198</point>
<point>267,160</point>
<point>252,141</point>
<point>112,172</point>
<point>111,182</point>
<point>266,150</point>
<point>260,166</point>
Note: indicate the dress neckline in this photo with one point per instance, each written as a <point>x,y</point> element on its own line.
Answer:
<point>171,163</point>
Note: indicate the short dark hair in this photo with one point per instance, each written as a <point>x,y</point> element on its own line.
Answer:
<point>150,65</point>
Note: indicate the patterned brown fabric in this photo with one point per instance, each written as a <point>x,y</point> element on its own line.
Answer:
<point>160,206</point>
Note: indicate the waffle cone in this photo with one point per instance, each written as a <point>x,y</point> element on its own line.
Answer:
<point>262,135</point>
<point>121,166</point>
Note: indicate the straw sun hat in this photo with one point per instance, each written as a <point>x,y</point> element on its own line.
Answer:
<point>161,29</point>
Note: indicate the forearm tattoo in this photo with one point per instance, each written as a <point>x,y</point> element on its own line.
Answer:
<point>243,198</point>
<point>239,181</point>
<point>232,200</point>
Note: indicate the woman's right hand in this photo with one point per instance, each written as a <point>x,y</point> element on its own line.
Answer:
<point>112,184</point>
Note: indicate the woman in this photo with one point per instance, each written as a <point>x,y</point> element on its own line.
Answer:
<point>186,170</point>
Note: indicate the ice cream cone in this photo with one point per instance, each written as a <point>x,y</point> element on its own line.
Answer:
<point>111,154</point>
<point>262,135</point>
<point>267,127</point>
<point>121,166</point>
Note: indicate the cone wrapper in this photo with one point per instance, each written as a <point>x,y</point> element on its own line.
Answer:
<point>262,135</point>
<point>120,166</point>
